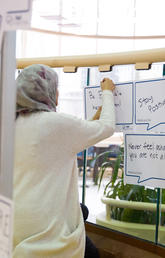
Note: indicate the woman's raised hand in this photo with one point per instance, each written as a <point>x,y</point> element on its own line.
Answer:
<point>107,84</point>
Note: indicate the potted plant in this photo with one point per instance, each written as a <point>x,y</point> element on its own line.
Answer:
<point>129,208</point>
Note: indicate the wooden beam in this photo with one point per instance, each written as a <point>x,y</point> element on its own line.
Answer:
<point>132,57</point>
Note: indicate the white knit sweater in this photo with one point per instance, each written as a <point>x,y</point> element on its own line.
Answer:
<point>48,222</point>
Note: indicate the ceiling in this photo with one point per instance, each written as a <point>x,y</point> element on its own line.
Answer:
<point>123,18</point>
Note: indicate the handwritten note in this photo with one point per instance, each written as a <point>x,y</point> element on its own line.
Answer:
<point>5,227</point>
<point>145,159</point>
<point>13,15</point>
<point>123,98</point>
<point>150,103</point>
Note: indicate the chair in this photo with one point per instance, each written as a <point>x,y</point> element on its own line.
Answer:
<point>89,157</point>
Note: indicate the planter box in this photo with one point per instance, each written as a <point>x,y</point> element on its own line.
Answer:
<point>144,231</point>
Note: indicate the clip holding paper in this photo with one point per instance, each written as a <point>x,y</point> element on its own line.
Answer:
<point>105,68</point>
<point>70,69</point>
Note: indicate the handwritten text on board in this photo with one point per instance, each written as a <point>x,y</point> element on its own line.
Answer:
<point>122,98</point>
<point>150,103</point>
<point>145,159</point>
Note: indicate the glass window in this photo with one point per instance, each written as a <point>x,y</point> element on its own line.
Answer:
<point>105,191</point>
<point>101,18</point>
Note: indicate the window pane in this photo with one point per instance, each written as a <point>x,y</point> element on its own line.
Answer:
<point>117,215</point>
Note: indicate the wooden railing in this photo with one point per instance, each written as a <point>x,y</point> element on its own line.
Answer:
<point>142,60</point>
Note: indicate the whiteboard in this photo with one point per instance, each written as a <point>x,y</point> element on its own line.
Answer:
<point>145,159</point>
<point>123,99</point>
<point>150,103</point>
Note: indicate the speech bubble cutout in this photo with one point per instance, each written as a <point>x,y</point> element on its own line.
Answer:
<point>123,100</point>
<point>150,103</point>
<point>145,159</point>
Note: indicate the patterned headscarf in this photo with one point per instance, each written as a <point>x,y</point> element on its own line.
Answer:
<point>36,89</point>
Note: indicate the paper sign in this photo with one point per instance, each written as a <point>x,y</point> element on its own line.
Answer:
<point>6,216</point>
<point>145,159</point>
<point>123,99</point>
<point>150,103</point>
<point>15,14</point>
<point>15,6</point>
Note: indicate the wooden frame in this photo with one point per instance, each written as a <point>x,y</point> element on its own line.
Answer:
<point>117,243</point>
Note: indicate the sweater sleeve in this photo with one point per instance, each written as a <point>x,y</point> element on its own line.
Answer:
<point>83,134</point>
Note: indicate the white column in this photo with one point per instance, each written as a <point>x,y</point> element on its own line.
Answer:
<point>7,112</point>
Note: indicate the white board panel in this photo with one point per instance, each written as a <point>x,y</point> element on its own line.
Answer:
<point>150,103</point>
<point>123,99</point>
<point>145,159</point>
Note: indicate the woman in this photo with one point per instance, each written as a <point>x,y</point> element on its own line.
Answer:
<point>48,221</point>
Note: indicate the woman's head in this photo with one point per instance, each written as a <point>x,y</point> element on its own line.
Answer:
<point>37,89</point>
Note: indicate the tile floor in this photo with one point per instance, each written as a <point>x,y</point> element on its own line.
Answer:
<point>92,197</point>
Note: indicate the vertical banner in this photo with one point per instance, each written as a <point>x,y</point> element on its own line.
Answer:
<point>16,14</point>
<point>13,15</point>
<point>6,217</point>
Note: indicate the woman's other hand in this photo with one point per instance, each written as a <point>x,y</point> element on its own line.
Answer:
<point>97,115</point>
<point>107,84</point>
